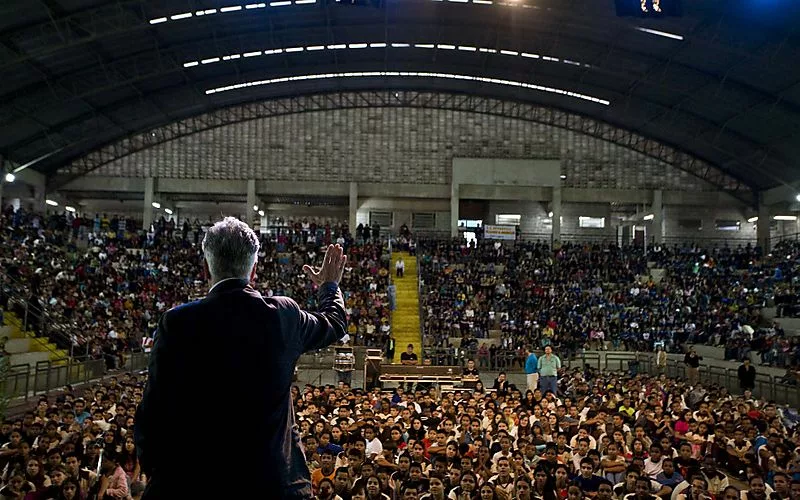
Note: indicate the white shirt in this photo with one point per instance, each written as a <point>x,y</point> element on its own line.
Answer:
<point>374,448</point>
<point>652,469</point>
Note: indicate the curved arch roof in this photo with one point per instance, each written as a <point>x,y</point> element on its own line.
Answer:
<point>724,87</point>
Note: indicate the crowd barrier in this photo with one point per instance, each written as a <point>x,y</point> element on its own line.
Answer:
<point>767,386</point>
<point>22,382</point>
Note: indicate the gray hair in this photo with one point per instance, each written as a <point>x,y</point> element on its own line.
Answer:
<point>230,248</point>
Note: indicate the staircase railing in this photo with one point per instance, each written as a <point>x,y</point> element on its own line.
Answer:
<point>36,319</point>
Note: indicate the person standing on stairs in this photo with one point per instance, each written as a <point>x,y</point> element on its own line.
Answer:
<point>399,267</point>
<point>390,346</point>
<point>409,358</point>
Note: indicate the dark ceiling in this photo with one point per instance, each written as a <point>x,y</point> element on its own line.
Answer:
<point>80,74</point>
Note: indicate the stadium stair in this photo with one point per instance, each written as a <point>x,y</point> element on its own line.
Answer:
<point>405,318</point>
<point>26,348</point>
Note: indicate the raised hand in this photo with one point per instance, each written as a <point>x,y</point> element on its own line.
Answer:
<point>332,267</point>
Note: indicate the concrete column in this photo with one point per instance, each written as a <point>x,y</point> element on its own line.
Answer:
<point>762,229</point>
<point>147,211</point>
<point>556,238</point>
<point>352,221</point>
<point>252,200</point>
<point>454,200</point>
<point>658,217</point>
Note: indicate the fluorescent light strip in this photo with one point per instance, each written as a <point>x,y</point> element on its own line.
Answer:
<point>659,33</point>
<point>364,45</point>
<point>413,74</point>
<point>283,3</point>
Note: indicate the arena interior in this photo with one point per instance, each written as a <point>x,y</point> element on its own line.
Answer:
<point>572,230</point>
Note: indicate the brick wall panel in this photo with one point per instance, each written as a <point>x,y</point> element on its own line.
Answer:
<point>392,145</point>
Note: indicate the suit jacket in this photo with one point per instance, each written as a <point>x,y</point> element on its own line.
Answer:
<point>218,392</point>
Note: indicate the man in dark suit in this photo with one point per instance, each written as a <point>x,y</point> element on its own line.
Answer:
<point>237,349</point>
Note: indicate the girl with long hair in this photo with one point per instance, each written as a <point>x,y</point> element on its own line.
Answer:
<point>467,488</point>
<point>128,459</point>
<point>34,474</point>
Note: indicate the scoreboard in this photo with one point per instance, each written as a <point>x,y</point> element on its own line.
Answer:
<point>649,8</point>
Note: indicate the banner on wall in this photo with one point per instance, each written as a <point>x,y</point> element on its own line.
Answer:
<point>500,232</point>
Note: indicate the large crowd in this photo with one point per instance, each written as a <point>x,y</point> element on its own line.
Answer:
<point>602,296</point>
<point>602,436</point>
<point>599,435</point>
<point>97,286</point>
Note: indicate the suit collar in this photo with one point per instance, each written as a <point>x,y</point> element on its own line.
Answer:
<point>227,285</point>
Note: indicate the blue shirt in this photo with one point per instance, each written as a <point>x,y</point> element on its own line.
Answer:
<point>532,364</point>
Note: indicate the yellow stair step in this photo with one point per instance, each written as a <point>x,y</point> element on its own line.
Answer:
<point>405,318</point>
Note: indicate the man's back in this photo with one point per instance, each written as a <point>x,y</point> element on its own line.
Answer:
<point>222,360</point>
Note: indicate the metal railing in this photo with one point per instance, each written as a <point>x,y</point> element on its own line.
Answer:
<point>768,387</point>
<point>42,322</point>
<point>25,381</point>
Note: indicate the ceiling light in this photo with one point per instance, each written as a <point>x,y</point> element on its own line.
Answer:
<point>550,214</point>
<point>69,209</point>
<point>261,213</point>
<point>752,219</point>
<point>10,177</point>
<point>563,176</point>
<point>156,204</point>
<point>649,217</point>
<point>659,33</point>
<point>168,210</point>
<point>797,197</point>
<point>412,74</point>
<point>255,208</point>
<point>52,203</point>
<point>785,217</point>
